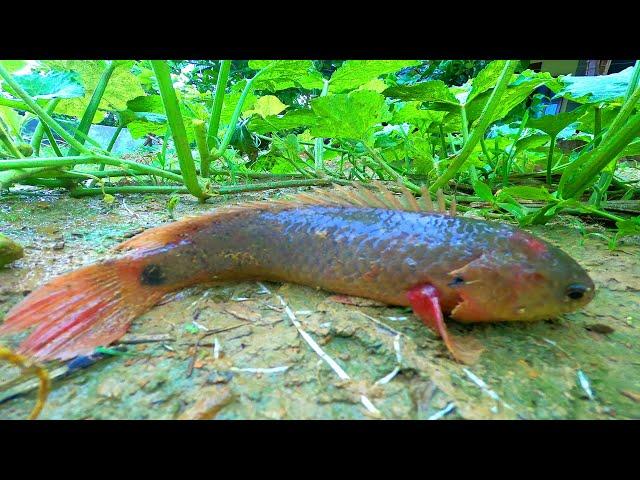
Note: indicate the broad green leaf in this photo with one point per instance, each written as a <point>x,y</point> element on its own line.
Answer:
<point>13,65</point>
<point>587,121</point>
<point>528,193</point>
<point>532,142</point>
<point>552,125</point>
<point>283,74</point>
<point>354,73</point>
<point>633,149</point>
<point>291,119</point>
<point>267,105</point>
<point>486,79</point>
<point>140,128</point>
<point>430,91</point>
<point>351,116</point>
<point>514,95</point>
<point>51,85</point>
<point>146,103</point>
<point>122,87</point>
<point>596,89</point>
<point>376,85</point>
<point>12,119</point>
<point>125,117</point>
<point>410,113</point>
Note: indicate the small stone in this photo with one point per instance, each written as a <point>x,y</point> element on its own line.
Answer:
<point>58,245</point>
<point>219,377</point>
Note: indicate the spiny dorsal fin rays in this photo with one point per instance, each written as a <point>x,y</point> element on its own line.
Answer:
<point>442,206</point>
<point>375,195</point>
<point>425,200</point>
<point>369,198</point>
<point>392,201</point>
<point>411,203</point>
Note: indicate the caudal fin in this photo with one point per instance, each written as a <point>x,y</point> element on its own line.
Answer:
<point>82,310</point>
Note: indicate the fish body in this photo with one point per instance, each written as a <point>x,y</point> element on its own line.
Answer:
<point>474,270</point>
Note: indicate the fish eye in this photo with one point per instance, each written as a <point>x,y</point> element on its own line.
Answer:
<point>456,282</point>
<point>576,291</point>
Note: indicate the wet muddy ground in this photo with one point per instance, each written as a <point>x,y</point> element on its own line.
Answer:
<point>232,352</point>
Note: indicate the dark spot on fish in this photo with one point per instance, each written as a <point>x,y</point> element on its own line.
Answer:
<point>152,275</point>
<point>456,282</point>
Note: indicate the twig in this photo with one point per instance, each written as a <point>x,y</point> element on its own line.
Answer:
<point>321,353</point>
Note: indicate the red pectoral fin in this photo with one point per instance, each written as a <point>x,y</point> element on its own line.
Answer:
<point>425,301</point>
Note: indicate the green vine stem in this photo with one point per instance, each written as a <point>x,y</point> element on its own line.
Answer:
<point>318,150</point>
<point>218,101</point>
<point>483,122</point>
<point>174,119</point>
<point>201,143</point>
<point>218,152</point>
<point>8,144</point>
<point>604,154</point>
<point>223,190</point>
<point>36,140</point>
<point>54,162</point>
<point>92,107</point>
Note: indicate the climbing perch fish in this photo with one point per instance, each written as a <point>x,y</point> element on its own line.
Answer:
<point>372,244</point>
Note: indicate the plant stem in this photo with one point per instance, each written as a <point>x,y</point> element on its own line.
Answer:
<point>54,162</point>
<point>218,101</point>
<point>52,140</point>
<point>550,160</point>
<point>227,189</point>
<point>319,142</point>
<point>36,140</point>
<point>443,143</point>
<point>201,143</point>
<point>39,111</point>
<point>387,168</point>
<point>231,128</point>
<point>486,118</point>
<point>92,107</point>
<point>606,152</point>
<point>174,119</point>
<point>11,148</point>
<point>597,126</point>
<point>465,123</point>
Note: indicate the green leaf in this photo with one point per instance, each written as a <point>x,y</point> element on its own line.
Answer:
<point>532,142</point>
<point>354,73</point>
<point>146,103</point>
<point>410,113</point>
<point>486,79</point>
<point>351,116</point>
<point>122,87</point>
<point>483,191</point>
<point>597,89</point>
<point>528,193</point>
<point>430,91</point>
<point>633,149</point>
<point>13,65</point>
<point>516,210</point>
<point>51,85</point>
<point>291,119</point>
<point>283,74</point>
<point>628,227</point>
<point>554,124</point>
<point>516,93</point>
<point>267,105</point>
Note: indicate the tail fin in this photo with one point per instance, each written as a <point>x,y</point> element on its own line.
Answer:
<point>84,309</point>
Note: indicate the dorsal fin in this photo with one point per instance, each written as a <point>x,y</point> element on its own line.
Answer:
<point>373,195</point>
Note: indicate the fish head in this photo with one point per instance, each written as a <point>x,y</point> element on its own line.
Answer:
<point>520,278</point>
